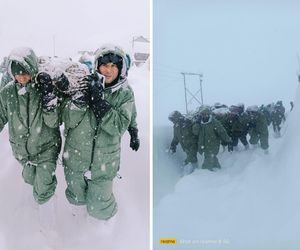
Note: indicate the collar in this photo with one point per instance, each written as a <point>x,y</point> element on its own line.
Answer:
<point>119,85</point>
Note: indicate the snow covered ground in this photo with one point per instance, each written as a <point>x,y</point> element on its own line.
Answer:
<point>253,202</point>
<point>19,224</point>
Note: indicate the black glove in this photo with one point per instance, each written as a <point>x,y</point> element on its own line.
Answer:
<point>81,94</point>
<point>134,139</point>
<point>98,105</point>
<point>61,82</point>
<point>80,98</point>
<point>47,88</point>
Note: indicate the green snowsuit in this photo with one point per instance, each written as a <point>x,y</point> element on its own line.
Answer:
<point>183,134</point>
<point>33,133</point>
<point>236,129</point>
<point>6,78</point>
<point>96,148</point>
<point>258,130</point>
<point>210,135</point>
<point>277,117</point>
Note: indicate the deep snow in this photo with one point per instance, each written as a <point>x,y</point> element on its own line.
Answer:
<point>253,202</point>
<point>19,224</point>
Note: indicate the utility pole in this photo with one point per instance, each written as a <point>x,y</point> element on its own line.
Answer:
<point>187,91</point>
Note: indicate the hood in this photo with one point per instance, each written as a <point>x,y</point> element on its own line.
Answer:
<point>27,58</point>
<point>110,48</point>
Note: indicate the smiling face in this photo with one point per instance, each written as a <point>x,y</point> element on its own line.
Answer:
<point>23,79</point>
<point>110,72</point>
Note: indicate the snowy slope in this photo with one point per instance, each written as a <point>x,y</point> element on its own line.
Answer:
<point>19,223</point>
<point>253,202</point>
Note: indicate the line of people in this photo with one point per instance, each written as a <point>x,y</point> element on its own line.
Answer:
<point>95,108</point>
<point>205,130</point>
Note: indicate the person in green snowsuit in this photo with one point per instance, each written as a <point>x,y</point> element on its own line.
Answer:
<point>183,135</point>
<point>277,117</point>
<point>28,106</point>
<point>236,128</point>
<point>257,128</point>
<point>95,121</point>
<point>210,133</point>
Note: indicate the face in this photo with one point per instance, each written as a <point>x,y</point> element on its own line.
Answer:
<point>205,117</point>
<point>110,71</point>
<point>23,79</point>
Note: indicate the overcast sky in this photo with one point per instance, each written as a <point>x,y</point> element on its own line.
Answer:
<point>75,25</point>
<point>246,50</point>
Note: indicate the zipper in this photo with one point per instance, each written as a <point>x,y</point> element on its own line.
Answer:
<point>93,146</point>
<point>28,122</point>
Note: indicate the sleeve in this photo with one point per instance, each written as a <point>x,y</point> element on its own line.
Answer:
<point>133,123</point>
<point>221,132</point>
<point>3,112</point>
<point>175,140</point>
<point>71,115</point>
<point>51,118</point>
<point>118,118</point>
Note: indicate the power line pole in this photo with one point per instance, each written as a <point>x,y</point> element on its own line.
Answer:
<point>187,91</point>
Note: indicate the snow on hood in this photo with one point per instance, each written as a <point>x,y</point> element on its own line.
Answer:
<point>26,57</point>
<point>18,54</point>
<point>110,48</point>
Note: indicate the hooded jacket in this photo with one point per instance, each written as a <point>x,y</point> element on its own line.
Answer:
<point>210,135</point>
<point>32,131</point>
<point>88,144</point>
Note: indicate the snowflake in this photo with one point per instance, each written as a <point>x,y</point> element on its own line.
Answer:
<point>66,155</point>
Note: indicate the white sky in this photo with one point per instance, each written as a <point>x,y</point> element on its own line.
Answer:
<point>246,50</point>
<point>76,25</point>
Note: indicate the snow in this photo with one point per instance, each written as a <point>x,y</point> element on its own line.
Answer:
<point>18,54</point>
<point>252,202</point>
<point>221,111</point>
<point>20,228</point>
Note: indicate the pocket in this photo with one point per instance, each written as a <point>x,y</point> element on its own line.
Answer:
<point>19,150</point>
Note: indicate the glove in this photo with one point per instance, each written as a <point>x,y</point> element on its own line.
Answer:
<point>49,100</point>
<point>80,95</point>
<point>80,99</point>
<point>173,148</point>
<point>61,82</point>
<point>134,140</point>
<point>98,105</point>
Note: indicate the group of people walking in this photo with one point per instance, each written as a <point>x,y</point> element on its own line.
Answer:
<point>205,130</point>
<point>95,108</point>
